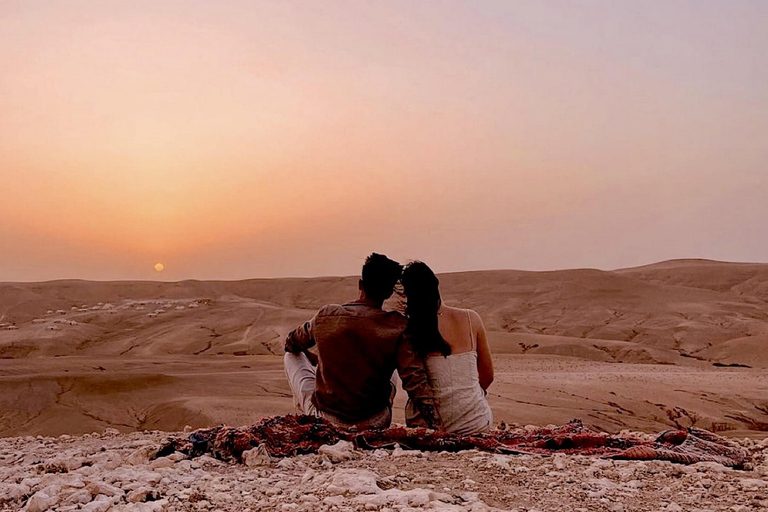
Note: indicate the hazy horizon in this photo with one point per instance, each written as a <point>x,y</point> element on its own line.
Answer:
<point>161,278</point>
<point>267,139</point>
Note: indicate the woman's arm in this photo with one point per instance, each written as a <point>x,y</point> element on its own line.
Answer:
<point>484,361</point>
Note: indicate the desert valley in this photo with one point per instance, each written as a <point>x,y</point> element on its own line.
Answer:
<point>681,343</point>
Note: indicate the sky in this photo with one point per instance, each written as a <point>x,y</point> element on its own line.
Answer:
<point>240,139</point>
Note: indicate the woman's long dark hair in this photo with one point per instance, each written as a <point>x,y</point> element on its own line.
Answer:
<point>420,286</point>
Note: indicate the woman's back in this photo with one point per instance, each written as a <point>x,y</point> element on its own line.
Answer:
<point>455,378</point>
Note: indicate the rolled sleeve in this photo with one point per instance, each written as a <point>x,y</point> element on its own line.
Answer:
<point>301,338</point>
<point>413,373</point>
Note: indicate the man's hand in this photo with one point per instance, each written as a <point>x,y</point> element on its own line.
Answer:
<point>301,338</point>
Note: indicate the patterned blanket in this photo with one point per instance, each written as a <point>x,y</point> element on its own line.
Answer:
<point>283,436</point>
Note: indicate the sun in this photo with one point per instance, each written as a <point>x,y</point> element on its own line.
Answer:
<point>159,267</point>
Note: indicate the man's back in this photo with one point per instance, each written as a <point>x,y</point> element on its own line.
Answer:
<point>357,348</point>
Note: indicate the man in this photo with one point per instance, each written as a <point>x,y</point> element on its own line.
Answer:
<point>358,351</point>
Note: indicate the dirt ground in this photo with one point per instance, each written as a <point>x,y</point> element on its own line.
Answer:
<point>77,395</point>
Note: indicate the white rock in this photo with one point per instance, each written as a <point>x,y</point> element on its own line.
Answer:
<point>77,497</point>
<point>713,467</point>
<point>257,457</point>
<point>354,481</point>
<point>602,464</point>
<point>139,495</point>
<point>52,489</point>
<point>177,456</point>
<point>308,475</point>
<point>13,492</point>
<point>74,463</point>
<point>162,462</point>
<point>100,504</point>
<point>39,502</point>
<point>634,484</point>
<point>341,451</point>
<point>397,498</point>
<point>104,488</point>
<point>107,460</point>
<point>207,459</point>
<point>286,464</point>
<point>399,452</point>
<point>333,501</point>
<point>752,483</point>
<point>501,461</point>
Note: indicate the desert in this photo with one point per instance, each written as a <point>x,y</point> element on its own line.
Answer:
<point>680,343</point>
<point>672,345</point>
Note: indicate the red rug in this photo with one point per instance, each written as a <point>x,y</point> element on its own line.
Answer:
<point>284,436</point>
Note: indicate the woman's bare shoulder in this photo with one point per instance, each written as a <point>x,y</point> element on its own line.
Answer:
<point>475,315</point>
<point>463,311</point>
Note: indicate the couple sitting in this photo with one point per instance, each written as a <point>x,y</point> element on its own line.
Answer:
<point>441,354</point>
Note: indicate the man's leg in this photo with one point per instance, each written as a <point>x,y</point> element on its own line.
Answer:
<point>393,380</point>
<point>301,379</point>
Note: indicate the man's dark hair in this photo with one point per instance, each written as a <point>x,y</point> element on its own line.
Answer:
<point>380,274</point>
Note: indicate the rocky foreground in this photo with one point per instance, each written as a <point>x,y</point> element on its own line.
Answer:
<point>115,472</point>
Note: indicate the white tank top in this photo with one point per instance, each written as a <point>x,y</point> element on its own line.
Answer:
<point>456,384</point>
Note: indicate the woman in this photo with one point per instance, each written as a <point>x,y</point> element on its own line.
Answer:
<point>454,346</point>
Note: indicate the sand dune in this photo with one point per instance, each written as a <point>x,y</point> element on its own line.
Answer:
<point>135,355</point>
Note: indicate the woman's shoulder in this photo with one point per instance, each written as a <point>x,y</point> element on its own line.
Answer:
<point>462,311</point>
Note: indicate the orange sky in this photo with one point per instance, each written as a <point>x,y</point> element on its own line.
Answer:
<point>243,139</point>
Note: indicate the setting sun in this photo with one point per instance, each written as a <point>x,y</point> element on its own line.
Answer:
<point>159,267</point>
